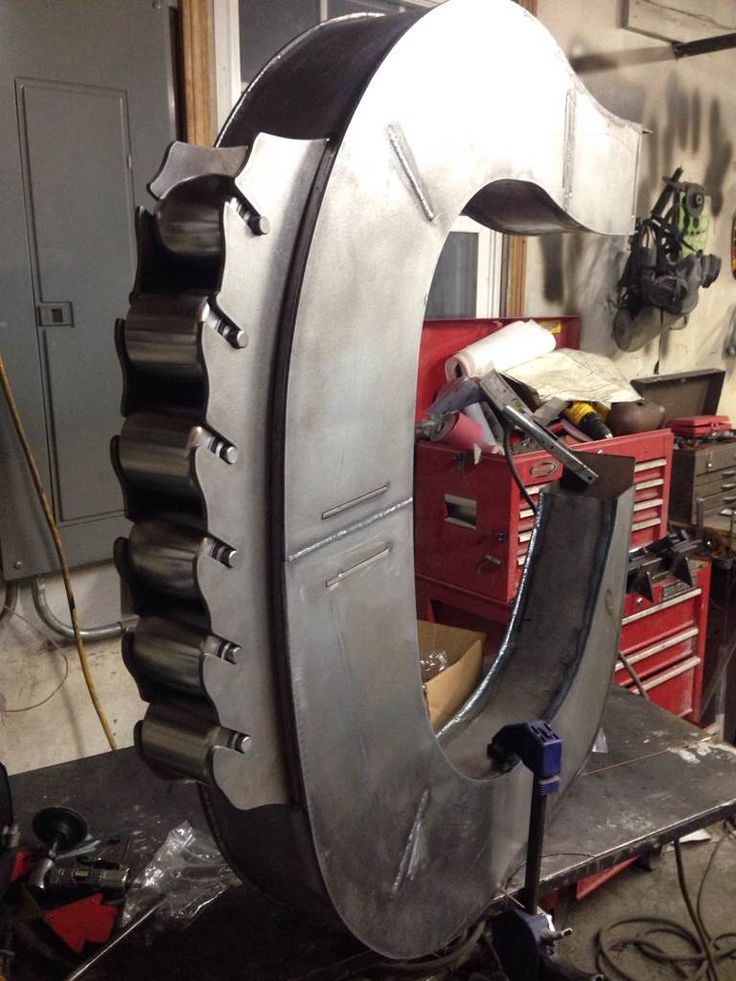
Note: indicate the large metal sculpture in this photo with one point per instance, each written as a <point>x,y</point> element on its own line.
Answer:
<point>270,358</point>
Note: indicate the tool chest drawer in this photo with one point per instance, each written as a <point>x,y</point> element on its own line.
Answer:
<point>664,641</point>
<point>676,689</point>
<point>705,481</point>
<point>473,528</point>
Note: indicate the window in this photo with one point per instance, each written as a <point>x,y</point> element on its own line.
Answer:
<point>467,281</point>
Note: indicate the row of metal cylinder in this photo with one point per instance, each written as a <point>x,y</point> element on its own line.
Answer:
<point>155,455</point>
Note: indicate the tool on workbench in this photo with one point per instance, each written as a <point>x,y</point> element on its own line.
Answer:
<point>60,829</point>
<point>525,938</point>
<point>136,922</point>
<point>506,405</point>
<point>93,877</point>
<point>588,420</point>
<point>667,556</point>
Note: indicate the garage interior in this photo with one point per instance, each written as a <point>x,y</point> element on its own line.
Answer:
<point>368,490</point>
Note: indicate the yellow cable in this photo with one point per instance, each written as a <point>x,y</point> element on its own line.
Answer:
<point>48,514</point>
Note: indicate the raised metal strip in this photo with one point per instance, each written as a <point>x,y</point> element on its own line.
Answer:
<point>672,673</point>
<point>652,502</point>
<point>358,567</point>
<point>658,648</point>
<point>368,496</point>
<point>675,601</point>
<point>525,536</point>
<point>650,464</point>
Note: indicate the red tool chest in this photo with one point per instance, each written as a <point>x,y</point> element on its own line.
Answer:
<point>472,532</point>
<point>472,527</point>
<point>664,641</point>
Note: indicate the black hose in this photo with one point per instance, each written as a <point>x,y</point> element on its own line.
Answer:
<point>692,912</point>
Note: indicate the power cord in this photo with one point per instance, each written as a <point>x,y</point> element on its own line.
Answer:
<point>4,710</point>
<point>59,548</point>
<point>706,951</point>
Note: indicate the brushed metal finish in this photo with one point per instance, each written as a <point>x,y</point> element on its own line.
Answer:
<point>161,333</point>
<point>399,836</point>
<point>174,654</point>
<point>157,451</point>
<point>175,739</point>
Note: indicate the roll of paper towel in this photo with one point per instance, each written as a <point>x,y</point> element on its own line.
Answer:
<point>512,345</point>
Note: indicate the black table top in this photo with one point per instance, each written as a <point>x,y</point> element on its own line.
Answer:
<point>659,779</point>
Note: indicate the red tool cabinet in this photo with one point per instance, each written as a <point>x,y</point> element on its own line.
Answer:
<point>664,641</point>
<point>472,532</point>
<point>472,527</point>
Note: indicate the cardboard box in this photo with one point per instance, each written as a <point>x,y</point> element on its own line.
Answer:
<point>447,691</point>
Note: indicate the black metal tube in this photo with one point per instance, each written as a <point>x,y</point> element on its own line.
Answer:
<point>535,846</point>
<point>705,46</point>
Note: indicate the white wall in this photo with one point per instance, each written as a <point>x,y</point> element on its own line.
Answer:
<point>66,726</point>
<point>690,107</point>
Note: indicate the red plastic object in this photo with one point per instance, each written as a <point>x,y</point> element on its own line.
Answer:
<point>699,426</point>
<point>584,887</point>
<point>87,920</point>
<point>443,338</point>
<point>24,862</point>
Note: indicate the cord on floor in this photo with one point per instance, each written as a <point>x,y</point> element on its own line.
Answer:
<point>58,547</point>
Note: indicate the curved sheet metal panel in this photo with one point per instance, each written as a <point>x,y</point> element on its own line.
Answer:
<point>276,541</point>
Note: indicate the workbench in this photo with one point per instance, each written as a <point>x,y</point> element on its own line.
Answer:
<point>659,779</point>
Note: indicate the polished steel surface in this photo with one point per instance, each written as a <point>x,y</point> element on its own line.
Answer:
<point>291,336</point>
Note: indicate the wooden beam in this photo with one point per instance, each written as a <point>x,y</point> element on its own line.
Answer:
<point>515,300</point>
<point>198,64</point>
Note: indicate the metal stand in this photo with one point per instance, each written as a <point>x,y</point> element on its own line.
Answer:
<point>525,939</point>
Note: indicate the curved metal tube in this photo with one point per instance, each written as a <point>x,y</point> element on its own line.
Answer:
<point>360,144</point>
<point>10,600</point>
<point>48,617</point>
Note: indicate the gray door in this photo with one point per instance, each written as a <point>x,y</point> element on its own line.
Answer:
<point>85,115</point>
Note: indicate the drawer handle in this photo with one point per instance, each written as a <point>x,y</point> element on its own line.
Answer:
<point>662,646</point>
<point>728,473</point>
<point>728,486</point>
<point>675,601</point>
<point>672,673</point>
<point>729,500</point>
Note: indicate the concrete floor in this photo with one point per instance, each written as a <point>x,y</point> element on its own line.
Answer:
<point>635,892</point>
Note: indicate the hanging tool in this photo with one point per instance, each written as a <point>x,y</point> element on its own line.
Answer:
<point>666,265</point>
